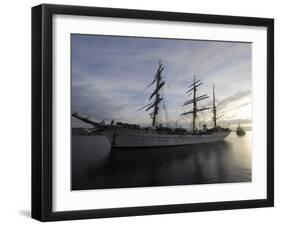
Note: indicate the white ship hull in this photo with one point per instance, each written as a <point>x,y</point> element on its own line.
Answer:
<point>141,138</point>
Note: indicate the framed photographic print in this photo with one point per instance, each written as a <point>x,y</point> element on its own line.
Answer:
<point>145,112</point>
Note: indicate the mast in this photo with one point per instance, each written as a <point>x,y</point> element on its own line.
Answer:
<point>155,104</point>
<point>214,108</point>
<point>193,88</point>
<point>157,97</point>
<point>194,104</point>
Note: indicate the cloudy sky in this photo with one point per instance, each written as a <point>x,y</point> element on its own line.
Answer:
<point>110,77</point>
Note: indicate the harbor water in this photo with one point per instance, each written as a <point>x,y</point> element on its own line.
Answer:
<point>95,166</point>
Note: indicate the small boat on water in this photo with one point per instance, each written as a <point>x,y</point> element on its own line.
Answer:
<point>240,131</point>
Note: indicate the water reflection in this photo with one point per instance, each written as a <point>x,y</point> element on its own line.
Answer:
<point>95,166</point>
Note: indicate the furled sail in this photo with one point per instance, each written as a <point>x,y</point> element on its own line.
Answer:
<point>194,83</point>
<point>145,106</point>
<point>159,84</point>
<point>155,103</point>
<point>205,96</point>
<point>157,89</point>
<point>158,73</point>
<point>197,110</point>
<point>193,88</point>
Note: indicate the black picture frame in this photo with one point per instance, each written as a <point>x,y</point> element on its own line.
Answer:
<point>42,111</point>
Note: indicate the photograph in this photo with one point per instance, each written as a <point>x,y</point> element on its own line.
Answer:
<point>142,112</point>
<point>153,111</point>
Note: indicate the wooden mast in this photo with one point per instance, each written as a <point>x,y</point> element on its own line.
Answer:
<point>194,100</point>
<point>155,104</point>
<point>194,104</point>
<point>214,108</point>
<point>157,98</point>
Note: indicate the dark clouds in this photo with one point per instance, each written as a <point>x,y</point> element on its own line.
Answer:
<point>110,74</point>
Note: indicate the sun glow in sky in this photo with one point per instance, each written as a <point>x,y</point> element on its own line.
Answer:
<point>110,77</point>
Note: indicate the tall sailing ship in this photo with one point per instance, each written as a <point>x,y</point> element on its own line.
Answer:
<point>133,135</point>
